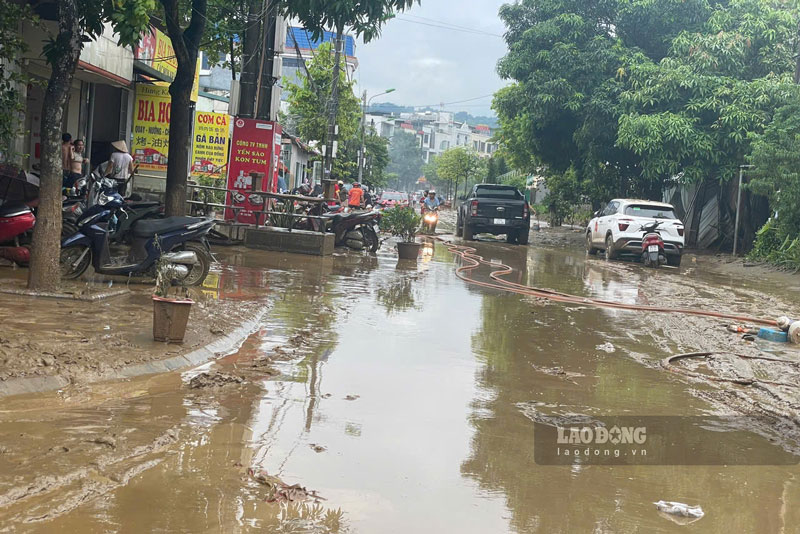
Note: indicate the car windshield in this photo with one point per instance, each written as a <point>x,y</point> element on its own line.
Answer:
<point>397,197</point>
<point>498,192</point>
<point>652,212</point>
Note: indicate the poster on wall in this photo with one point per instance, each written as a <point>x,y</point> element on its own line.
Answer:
<point>155,49</point>
<point>151,127</point>
<point>210,144</point>
<point>253,151</point>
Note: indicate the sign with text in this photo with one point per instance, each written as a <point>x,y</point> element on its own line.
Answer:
<point>254,153</point>
<point>151,127</point>
<point>155,49</point>
<point>210,144</point>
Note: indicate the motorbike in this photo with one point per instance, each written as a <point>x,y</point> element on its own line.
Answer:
<point>357,229</point>
<point>430,218</point>
<point>653,246</point>
<point>181,241</point>
<point>16,224</point>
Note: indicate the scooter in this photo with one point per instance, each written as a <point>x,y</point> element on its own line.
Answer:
<point>430,218</point>
<point>358,230</point>
<point>180,241</point>
<point>653,246</point>
<point>16,223</point>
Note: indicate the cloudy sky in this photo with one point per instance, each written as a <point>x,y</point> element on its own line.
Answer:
<point>429,64</point>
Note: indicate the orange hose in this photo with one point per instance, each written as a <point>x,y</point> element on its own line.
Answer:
<point>471,261</point>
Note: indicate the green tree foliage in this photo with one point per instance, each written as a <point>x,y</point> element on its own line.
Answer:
<point>308,105</point>
<point>364,17</point>
<point>377,159</point>
<point>12,47</point>
<point>406,159</point>
<point>459,165</point>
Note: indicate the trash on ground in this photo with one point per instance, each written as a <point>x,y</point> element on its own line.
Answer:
<point>210,380</point>
<point>679,509</point>
<point>352,397</point>
<point>607,347</point>
<point>280,492</point>
<point>771,334</point>
<point>317,448</point>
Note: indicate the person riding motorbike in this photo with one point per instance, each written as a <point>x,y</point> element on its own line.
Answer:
<point>431,202</point>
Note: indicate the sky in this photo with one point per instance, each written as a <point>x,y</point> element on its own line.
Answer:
<point>428,65</point>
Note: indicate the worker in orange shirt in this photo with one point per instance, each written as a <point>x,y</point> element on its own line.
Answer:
<point>356,196</point>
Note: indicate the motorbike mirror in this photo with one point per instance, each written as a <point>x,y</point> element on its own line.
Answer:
<point>597,213</point>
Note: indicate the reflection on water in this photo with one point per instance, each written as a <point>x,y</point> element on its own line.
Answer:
<point>403,396</point>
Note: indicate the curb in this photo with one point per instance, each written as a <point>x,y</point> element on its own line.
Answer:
<point>218,347</point>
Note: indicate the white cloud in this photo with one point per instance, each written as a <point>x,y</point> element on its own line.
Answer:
<point>427,64</point>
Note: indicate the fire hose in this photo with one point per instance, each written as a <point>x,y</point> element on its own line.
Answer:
<point>668,364</point>
<point>471,261</point>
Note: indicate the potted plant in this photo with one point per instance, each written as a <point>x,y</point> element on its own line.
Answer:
<point>170,312</point>
<point>403,222</point>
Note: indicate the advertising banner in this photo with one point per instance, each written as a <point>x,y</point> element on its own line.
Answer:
<point>210,144</point>
<point>155,50</point>
<point>254,151</point>
<point>151,127</point>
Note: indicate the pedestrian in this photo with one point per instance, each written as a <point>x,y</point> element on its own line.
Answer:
<point>342,193</point>
<point>356,196</point>
<point>76,163</point>
<point>66,157</point>
<point>120,166</point>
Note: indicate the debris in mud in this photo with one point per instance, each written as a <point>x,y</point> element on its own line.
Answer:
<point>317,448</point>
<point>210,380</point>
<point>560,372</point>
<point>280,492</point>
<point>352,397</point>
<point>216,330</point>
<point>678,512</point>
<point>607,347</point>
<point>108,441</point>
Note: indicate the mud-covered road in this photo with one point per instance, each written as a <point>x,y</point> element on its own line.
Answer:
<point>379,396</point>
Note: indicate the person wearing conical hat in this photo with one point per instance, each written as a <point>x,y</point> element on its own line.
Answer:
<point>120,165</point>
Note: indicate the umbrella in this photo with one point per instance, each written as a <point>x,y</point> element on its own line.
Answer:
<point>17,186</point>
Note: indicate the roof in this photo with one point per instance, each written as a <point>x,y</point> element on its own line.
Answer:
<point>306,40</point>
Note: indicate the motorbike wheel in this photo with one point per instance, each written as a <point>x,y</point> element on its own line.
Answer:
<point>371,241</point>
<point>68,229</point>
<point>200,269</point>
<point>69,255</point>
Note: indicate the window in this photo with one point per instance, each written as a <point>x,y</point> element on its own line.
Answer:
<point>611,209</point>
<point>652,212</point>
<point>426,140</point>
<point>498,191</point>
<point>444,145</point>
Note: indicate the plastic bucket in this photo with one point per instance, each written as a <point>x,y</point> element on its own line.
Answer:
<point>170,317</point>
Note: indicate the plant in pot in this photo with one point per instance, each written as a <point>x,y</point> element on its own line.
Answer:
<point>403,222</point>
<point>171,306</point>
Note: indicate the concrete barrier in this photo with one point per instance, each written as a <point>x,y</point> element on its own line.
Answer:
<point>296,241</point>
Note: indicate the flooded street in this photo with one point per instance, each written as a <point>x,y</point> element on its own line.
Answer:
<point>405,400</point>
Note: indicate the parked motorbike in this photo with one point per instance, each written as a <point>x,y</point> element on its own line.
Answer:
<point>16,224</point>
<point>178,240</point>
<point>357,229</point>
<point>653,246</point>
<point>430,218</point>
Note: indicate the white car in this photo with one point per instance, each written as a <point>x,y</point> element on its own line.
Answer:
<point>617,229</point>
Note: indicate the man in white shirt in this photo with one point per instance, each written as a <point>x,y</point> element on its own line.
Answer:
<point>120,165</point>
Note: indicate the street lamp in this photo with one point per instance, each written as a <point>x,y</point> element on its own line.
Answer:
<point>738,206</point>
<point>363,127</point>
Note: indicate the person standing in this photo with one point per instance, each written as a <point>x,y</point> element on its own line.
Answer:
<point>66,157</point>
<point>356,196</point>
<point>120,166</point>
<point>77,161</point>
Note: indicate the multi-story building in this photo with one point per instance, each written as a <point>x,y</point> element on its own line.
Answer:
<point>436,132</point>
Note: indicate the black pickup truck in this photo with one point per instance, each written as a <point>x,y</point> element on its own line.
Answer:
<point>494,209</point>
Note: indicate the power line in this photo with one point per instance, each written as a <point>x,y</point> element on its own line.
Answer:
<point>450,27</point>
<point>445,23</point>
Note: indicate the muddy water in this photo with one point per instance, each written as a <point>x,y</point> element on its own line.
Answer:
<point>407,404</point>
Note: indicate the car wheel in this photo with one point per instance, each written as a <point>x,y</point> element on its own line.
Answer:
<point>522,236</point>
<point>674,261</point>
<point>611,254</point>
<point>458,226</point>
<point>511,236</point>
<point>590,248</point>
<point>467,232</point>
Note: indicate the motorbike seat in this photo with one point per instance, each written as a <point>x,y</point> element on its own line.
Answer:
<point>139,205</point>
<point>151,227</point>
<point>15,208</point>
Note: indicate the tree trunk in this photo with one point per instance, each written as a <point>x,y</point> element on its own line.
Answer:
<point>44,273</point>
<point>186,44</point>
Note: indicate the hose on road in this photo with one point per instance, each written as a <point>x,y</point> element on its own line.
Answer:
<point>668,364</point>
<point>471,261</point>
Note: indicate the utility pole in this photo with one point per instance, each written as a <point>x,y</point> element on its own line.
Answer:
<point>248,80</point>
<point>363,150</point>
<point>266,68</point>
<point>333,110</point>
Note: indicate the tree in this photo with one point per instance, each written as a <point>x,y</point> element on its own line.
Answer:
<point>458,164</point>
<point>377,159</point>
<point>308,106</point>
<point>186,44</point>
<point>364,18</point>
<point>78,21</point>
<point>491,172</point>
<point>406,159</point>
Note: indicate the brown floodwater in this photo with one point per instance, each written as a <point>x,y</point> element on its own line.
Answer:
<point>408,405</point>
